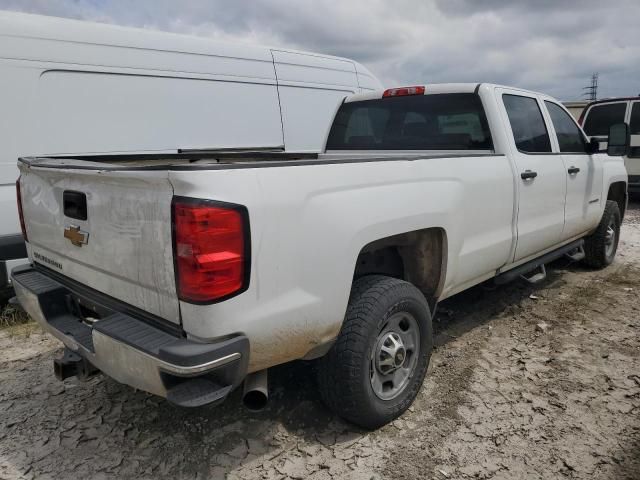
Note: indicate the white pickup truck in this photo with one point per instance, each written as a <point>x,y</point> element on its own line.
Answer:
<point>187,275</point>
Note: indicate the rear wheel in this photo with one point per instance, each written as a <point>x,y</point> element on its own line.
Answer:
<point>376,367</point>
<point>601,246</point>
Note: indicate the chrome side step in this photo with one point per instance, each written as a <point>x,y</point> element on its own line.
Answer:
<point>573,250</point>
<point>535,276</point>
<point>576,254</point>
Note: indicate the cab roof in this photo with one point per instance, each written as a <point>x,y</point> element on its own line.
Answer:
<point>436,88</point>
<point>429,89</point>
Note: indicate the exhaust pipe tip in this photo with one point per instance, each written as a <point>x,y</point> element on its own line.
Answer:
<point>255,400</point>
<point>256,391</point>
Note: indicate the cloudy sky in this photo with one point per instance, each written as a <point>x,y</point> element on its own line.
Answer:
<point>547,45</point>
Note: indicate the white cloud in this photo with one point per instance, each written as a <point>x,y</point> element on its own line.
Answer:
<point>548,45</point>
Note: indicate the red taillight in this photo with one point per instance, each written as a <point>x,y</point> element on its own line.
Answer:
<point>403,91</point>
<point>211,249</point>
<point>20,214</point>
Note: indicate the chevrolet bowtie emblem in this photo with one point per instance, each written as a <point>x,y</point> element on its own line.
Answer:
<point>76,236</point>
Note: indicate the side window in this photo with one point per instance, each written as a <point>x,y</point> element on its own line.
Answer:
<point>529,131</point>
<point>570,138</point>
<point>601,117</point>
<point>634,121</point>
<point>634,126</point>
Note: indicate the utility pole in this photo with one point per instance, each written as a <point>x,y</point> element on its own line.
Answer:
<point>591,92</point>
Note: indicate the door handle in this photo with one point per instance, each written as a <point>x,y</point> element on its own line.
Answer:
<point>528,175</point>
<point>573,170</point>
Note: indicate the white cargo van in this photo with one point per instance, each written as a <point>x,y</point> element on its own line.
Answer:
<point>70,87</point>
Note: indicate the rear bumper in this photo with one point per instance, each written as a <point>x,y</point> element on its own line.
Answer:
<point>130,350</point>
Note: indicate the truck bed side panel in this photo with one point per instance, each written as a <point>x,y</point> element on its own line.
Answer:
<point>309,223</point>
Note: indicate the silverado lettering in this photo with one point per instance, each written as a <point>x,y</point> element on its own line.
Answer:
<point>47,260</point>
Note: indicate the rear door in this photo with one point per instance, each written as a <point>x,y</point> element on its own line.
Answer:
<point>109,230</point>
<point>540,175</point>
<point>583,173</point>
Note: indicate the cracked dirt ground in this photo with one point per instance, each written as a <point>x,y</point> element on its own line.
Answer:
<point>526,382</point>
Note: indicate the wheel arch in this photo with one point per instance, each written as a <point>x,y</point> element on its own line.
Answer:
<point>418,257</point>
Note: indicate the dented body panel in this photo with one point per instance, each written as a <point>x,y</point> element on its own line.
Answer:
<point>128,250</point>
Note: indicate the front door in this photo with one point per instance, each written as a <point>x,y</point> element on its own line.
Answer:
<point>583,174</point>
<point>541,175</point>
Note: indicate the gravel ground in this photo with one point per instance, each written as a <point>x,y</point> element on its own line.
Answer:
<point>526,382</point>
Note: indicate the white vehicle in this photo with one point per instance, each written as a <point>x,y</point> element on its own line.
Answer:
<point>598,116</point>
<point>186,275</point>
<point>71,87</point>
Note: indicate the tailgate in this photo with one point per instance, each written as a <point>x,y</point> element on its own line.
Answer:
<point>121,246</point>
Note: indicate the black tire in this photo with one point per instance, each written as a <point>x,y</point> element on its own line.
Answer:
<point>599,247</point>
<point>345,372</point>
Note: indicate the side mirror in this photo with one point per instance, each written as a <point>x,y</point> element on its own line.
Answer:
<point>619,140</point>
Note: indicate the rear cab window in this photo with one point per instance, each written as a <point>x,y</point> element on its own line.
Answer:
<point>600,117</point>
<point>451,121</point>
<point>527,124</point>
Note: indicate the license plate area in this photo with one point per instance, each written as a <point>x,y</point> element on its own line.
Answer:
<point>85,310</point>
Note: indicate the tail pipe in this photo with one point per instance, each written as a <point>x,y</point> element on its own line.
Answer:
<point>256,391</point>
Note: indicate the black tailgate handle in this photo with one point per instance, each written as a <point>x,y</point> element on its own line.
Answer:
<point>74,204</point>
